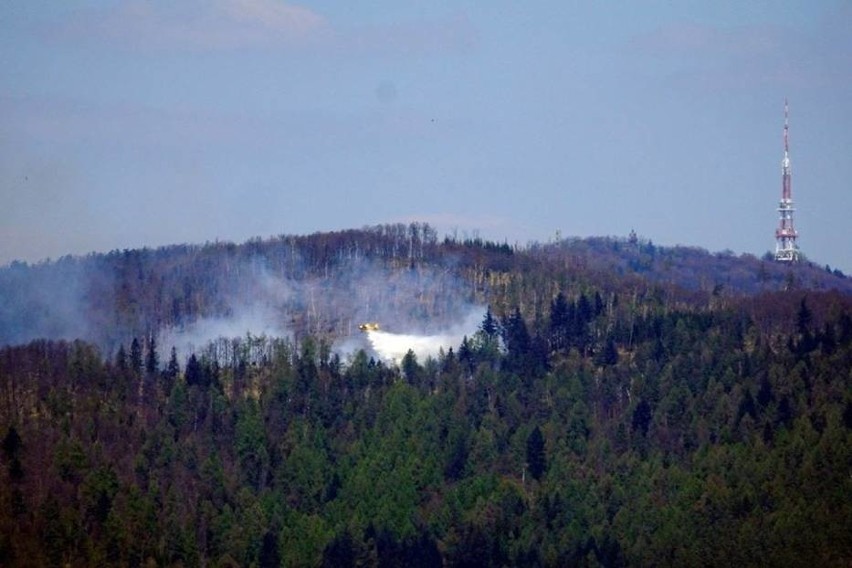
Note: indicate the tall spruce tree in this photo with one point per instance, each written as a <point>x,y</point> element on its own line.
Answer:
<point>536,458</point>
<point>136,356</point>
<point>152,360</point>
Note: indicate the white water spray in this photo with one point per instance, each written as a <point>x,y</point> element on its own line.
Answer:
<point>392,347</point>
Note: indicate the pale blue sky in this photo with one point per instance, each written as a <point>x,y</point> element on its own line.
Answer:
<point>143,123</point>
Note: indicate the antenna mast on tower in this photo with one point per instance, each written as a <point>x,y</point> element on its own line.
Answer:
<point>786,249</point>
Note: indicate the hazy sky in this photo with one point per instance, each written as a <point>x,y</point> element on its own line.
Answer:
<point>143,123</point>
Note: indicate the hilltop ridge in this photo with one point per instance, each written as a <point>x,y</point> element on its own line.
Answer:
<point>325,283</point>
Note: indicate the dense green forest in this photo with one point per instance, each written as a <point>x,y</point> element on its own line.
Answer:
<point>619,404</point>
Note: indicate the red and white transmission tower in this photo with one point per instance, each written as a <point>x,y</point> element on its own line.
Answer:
<point>786,249</point>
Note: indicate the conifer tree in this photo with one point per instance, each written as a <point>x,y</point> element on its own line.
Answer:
<point>121,358</point>
<point>136,356</point>
<point>152,360</point>
<point>560,322</point>
<point>536,459</point>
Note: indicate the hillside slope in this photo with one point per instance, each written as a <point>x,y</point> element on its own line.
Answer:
<point>617,405</point>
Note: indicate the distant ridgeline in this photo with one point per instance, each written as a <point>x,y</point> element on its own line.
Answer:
<point>325,284</point>
<point>618,404</point>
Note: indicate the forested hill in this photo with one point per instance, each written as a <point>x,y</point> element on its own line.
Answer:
<point>694,268</point>
<point>618,404</point>
<point>326,282</point>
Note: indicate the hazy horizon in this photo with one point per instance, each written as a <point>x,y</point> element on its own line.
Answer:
<point>129,124</point>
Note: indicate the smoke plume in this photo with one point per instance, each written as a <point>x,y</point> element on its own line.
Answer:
<point>392,347</point>
<point>190,297</point>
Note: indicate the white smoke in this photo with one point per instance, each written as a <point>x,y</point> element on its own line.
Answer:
<point>392,347</point>
<point>260,312</point>
<point>255,321</point>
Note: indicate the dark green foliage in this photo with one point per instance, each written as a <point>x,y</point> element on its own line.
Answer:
<point>526,356</point>
<point>171,373</point>
<point>560,323</point>
<point>420,551</point>
<point>536,459</point>
<point>489,326</point>
<point>97,491</point>
<point>518,344</point>
<point>194,372</point>
<point>401,475</point>
<point>609,353</point>
<point>269,556</point>
<point>641,420</point>
<point>251,449</point>
<point>410,368</point>
<point>611,423</point>
<point>340,552</point>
